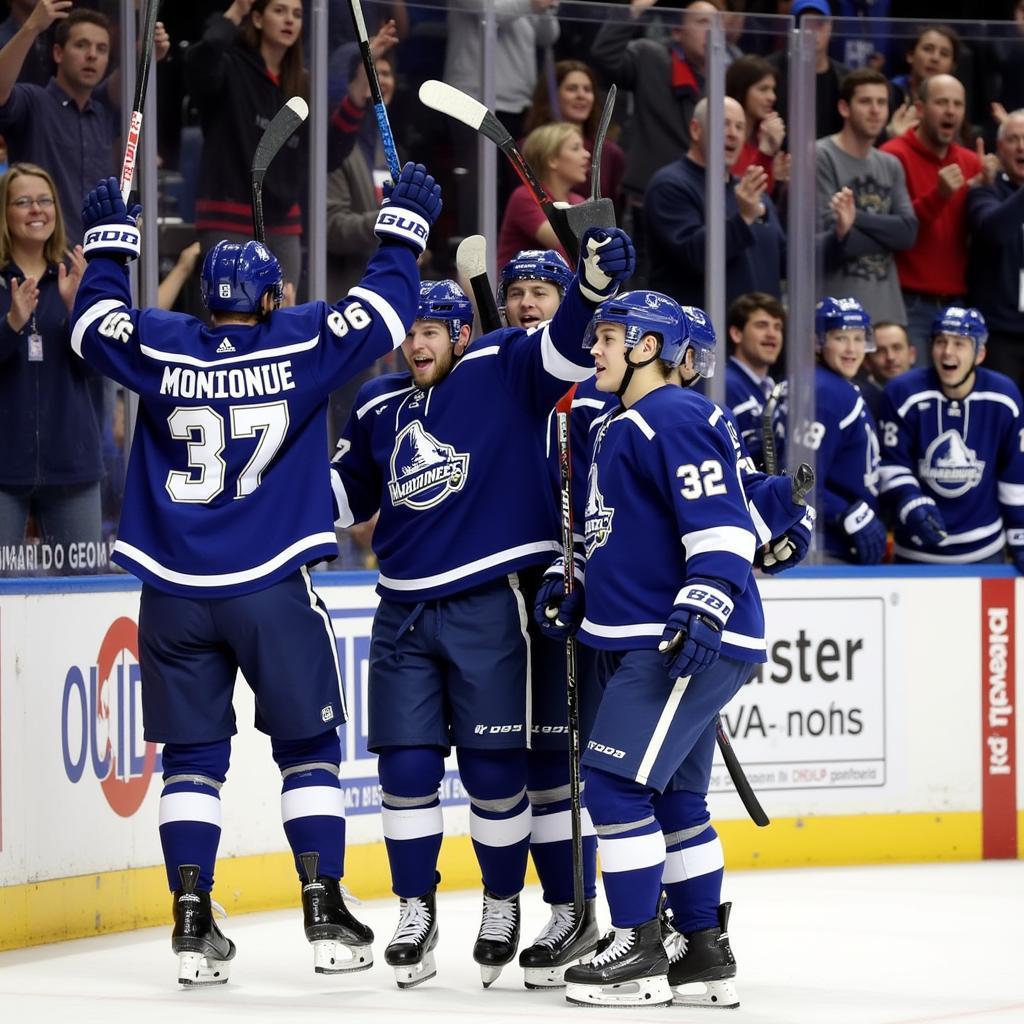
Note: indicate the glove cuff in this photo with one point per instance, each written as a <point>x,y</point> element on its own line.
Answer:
<point>908,506</point>
<point>857,518</point>
<point>556,570</point>
<point>705,598</point>
<point>405,226</point>
<point>122,240</point>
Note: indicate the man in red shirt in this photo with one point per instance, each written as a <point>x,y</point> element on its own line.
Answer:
<point>939,173</point>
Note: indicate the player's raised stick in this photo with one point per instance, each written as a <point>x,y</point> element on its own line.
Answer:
<point>284,124</point>
<point>131,145</point>
<point>379,110</point>
<point>471,259</point>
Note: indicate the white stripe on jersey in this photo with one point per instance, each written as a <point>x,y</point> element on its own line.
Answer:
<point>913,555</point>
<point>993,396</point>
<point>749,643</point>
<point>588,403</point>
<point>461,571</point>
<point>263,353</point>
<point>1011,494</point>
<point>764,534</point>
<point>634,417</point>
<point>853,414</point>
<point>557,365</point>
<point>733,540</point>
<point>598,420</point>
<point>346,517</point>
<point>384,309</point>
<point>489,350</point>
<point>919,396</point>
<point>978,533</point>
<point>89,317</point>
<point>615,632</point>
<point>891,477</point>
<point>223,579</point>
<point>367,406</point>
<point>750,405</point>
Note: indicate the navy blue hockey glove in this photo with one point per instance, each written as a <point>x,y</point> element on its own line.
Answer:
<point>607,259</point>
<point>922,518</point>
<point>558,615</point>
<point>791,548</point>
<point>110,227</point>
<point>692,636</point>
<point>411,205</point>
<point>866,533</point>
<point>1015,538</point>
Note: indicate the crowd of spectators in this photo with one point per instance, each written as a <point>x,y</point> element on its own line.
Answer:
<point>919,153</point>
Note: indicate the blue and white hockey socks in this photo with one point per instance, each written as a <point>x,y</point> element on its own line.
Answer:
<point>312,806</point>
<point>499,816</point>
<point>630,843</point>
<point>410,779</point>
<point>190,808</point>
<point>551,830</point>
<point>695,864</point>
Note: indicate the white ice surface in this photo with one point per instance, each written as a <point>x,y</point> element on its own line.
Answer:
<point>872,945</point>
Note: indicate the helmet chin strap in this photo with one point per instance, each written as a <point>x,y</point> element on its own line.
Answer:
<point>965,378</point>
<point>631,367</point>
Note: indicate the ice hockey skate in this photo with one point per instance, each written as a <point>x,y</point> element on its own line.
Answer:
<point>702,969</point>
<point>498,939</point>
<point>629,970</point>
<point>340,943</point>
<point>411,949</point>
<point>563,942</point>
<point>204,952</point>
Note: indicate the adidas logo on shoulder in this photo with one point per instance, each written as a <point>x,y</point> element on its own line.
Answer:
<point>225,346</point>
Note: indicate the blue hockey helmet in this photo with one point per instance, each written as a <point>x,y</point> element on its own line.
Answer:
<point>534,265</point>
<point>678,327</point>
<point>848,314</point>
<point>963,321</point>
<point>447,302</point>
<point>236,276</point>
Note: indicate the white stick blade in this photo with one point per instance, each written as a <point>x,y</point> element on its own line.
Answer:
<point>299,107</point>
<point>471,256</point>
<point>453,102</point>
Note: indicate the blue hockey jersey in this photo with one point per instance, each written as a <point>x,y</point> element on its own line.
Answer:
<point>664,504</point>
<point>222,494</point>
<point>458,472</point>
<point>746,396</point>
<point>965,455</point>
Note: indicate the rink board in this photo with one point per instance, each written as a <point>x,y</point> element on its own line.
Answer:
<point>882,729</point>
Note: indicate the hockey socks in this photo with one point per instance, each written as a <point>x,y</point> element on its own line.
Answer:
<point>312,807</point>
<point>631,846</point>
<point>410,778</point>
<point>551,828</point>
<point>694,864</point>
<point>190,808</point>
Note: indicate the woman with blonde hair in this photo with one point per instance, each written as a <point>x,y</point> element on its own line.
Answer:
<point>561,161</point>
<point>51,460</point>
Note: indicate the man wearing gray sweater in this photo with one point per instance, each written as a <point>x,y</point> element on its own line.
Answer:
<point>863,266</point>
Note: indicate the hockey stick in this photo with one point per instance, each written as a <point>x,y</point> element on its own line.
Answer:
<point>739,779</point>
<point>275,135</point>
<point>562,410</point>
<point>131,145</point>
<point>458,105</point>
<point>595,212</point>
<point>471,259</point>
<point>380,111</point>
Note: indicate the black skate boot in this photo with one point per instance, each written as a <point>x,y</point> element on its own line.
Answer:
<point>565,941</point>
<point>498,940</point>
<point>411,950</point>
<point>204,952</point>
<point>629,970</point>
<point>702,964</point>
<point>330,926</point>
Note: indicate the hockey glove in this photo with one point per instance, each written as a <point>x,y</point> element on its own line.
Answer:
<point>791,548</point>
<point>411,205</point>
<point>607,259</point>
<point>110,226</point>
<point>559,615</point>
<point>866,533</point>
<point>1015,538</point>
<point>692,636</point>
<point>924,521</point>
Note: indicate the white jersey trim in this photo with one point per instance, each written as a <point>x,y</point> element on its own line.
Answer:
<point>978,533</point>
<point>345,515</point>
<point>587,403</point>
<point>993,396</point>
<point>1011,494</point>
<point>644,427</point>
<point>367,406</point>
<point>384,309</point>
<point>764,533</point>
<point>748,643</point>
<point>490,350</point>
<point>265,353</point>
<point>733,540</point>
<point>462,571</point>
<point>89,317</point>
<point>751,404</point>
<point>919,396</point>
<point>224,579</point>
<point>853,414</point>
<point>913,555</point>
<point>557,365</point>
<point>618,632</point>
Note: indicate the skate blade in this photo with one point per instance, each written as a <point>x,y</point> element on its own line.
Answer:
<point>535,978</point>
<point>718,994</point>
<point>641,992</point>
<point>490,973</point>
<point>411,975</point>
<point>194,969</point>
<point>329,957</point>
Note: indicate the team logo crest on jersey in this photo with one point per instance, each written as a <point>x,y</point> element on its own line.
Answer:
<point>598,515</point>
<point>949,466</point>
<point>424,471</point>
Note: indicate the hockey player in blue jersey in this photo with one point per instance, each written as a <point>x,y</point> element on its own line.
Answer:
<point>531,287</point>
<point>219,522</point>
<point>677,627</point>
<point>452,455</point>
<point>843,435</point>
<point>952,465</point>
